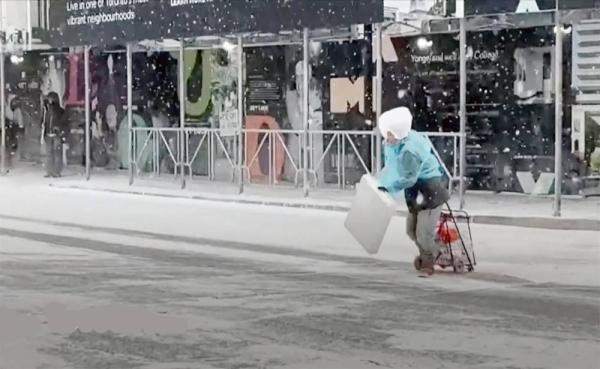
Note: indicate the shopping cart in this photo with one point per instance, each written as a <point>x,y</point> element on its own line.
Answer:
<point>456,243</point>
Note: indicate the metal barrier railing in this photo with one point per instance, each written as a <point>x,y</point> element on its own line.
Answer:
<point>334,145</point>
<point>155,139</point>
<point>212,143</point>
<point>273,157</point>
<point>454,175</point>
<point>286,143</point>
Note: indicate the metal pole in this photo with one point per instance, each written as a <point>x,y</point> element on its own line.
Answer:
<point>29,28</point>
<point>182,142</point>
<point>86,76</point>
<point>305,108</point>
<point>132,154</point>
<point>240,102</point>
<point>378,93</point>
<point>2,110</point>
<point>47,14</point>
<point>558,110</point>
<point>2,101</point>
<point>463,110</point>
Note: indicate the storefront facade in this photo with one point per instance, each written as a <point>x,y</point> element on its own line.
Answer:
<point>510,96</point>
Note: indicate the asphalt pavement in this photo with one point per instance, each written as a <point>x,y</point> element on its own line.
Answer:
<point>109,281</point>
<point>269,308</point>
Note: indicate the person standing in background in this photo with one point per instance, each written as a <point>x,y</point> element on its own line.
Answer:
<point>15,114</point>
<point>14,132</point>
<point>53,135</point>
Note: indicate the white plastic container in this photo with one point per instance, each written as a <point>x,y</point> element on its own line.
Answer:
<point>370,215</point>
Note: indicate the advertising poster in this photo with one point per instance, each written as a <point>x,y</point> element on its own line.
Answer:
<point>106,22</point>
<point>510,110</point>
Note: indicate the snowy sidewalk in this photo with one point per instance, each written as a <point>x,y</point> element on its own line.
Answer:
<point>497,209</point>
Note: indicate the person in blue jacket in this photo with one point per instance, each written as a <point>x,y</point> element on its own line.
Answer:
<point>410,165</point>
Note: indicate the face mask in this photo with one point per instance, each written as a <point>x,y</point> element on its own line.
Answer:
<point>393,144</point>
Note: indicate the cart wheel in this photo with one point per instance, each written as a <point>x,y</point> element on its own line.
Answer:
<point>459,266</point>
<point>418,262</point>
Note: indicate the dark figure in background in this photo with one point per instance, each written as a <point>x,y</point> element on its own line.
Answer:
<point>53,134</point>
<point>12,143</point>
<point>16,130</point>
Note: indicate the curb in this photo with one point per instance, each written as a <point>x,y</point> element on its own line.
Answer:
<point>561,224</point>
<point>522,222</point>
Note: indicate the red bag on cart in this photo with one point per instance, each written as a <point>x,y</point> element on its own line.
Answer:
<point>447,233</point>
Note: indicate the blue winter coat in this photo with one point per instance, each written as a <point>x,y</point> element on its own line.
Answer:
<point>411,166</point>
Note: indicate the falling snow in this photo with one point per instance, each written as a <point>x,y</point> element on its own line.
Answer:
<point>509,111</point>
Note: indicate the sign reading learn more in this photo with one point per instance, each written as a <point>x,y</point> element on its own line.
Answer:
<point>106,22</point>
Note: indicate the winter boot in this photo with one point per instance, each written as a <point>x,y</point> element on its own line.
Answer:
<point>426,268</point>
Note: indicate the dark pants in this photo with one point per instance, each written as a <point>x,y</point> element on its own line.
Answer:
<point>53,151</point>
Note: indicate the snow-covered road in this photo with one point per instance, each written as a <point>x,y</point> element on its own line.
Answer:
<point>270,287</point>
